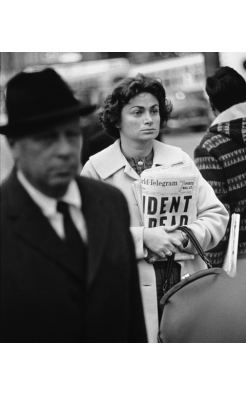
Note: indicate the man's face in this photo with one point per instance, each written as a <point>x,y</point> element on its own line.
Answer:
<point>50,159</point>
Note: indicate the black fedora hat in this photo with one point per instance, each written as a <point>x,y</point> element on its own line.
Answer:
<point>36,99</point>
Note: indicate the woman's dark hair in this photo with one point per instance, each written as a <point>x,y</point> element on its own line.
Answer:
<point>121,95</point>
<point>226,88</point>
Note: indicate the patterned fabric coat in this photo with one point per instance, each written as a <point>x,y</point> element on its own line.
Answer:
<point>221,158</point>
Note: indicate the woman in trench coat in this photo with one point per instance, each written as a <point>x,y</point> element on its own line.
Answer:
<point>134,115</point>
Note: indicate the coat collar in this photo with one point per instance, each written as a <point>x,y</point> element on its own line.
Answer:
<point>165,154</point>
<point>47,204</point>
<point>235,112</point>
<point>111,159</point>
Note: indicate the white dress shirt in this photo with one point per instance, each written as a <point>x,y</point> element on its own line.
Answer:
<point>48,206</point>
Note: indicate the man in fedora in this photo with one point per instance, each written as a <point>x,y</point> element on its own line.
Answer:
<point>68,269</point>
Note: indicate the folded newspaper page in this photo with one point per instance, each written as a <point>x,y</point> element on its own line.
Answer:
<point>167,197</point>
<point>230,259</point>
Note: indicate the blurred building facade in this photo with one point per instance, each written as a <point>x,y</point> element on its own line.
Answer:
<point>16,61</point>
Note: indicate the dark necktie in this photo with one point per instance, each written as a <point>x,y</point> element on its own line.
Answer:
<point>77,262</point>
<point>72,236</point>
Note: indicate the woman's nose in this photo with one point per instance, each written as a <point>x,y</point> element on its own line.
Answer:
<point>148,118</point>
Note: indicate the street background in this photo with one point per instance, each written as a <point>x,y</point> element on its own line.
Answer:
<point>92,76</point>
<point>186,141</point>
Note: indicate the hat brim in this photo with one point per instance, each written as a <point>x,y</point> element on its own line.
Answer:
<point>15,128</point>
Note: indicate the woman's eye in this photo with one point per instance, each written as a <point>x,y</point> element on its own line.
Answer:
<point>137,112</point>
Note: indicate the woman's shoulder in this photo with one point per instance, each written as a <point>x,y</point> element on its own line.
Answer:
<point>107,161</point>
<point>170,153</point>
<point>113,148</point>
<point>158,145</point>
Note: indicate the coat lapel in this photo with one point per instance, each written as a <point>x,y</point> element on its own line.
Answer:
<point>95,211</point>
<point>166,154</point>
<point>33,227</point>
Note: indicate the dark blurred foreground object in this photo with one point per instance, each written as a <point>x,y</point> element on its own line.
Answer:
<point>207,307</point>
<point>37,100</point>
<point>210,307</point>
<point>53,288</point>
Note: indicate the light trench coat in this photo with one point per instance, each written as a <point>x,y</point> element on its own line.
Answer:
<point>111,166</point>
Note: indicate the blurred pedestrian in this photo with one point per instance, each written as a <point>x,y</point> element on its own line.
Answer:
<point>94,137</point>
<point>221,154</point>
<point>68,267</point>
<point>133,116</point>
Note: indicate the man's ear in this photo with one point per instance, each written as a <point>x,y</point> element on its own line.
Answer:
<point>11,142</point>
<point>212,105</point>
<point>14,148</point>
<point>214,109</point>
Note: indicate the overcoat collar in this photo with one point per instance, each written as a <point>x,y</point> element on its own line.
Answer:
<point>34,228</point>
<point>111,159</point>
<point>235,112</point>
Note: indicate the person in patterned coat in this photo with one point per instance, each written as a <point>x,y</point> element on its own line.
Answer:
<point>221,154</point>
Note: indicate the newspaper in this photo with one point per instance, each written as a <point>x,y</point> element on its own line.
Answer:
<point>167,197</point>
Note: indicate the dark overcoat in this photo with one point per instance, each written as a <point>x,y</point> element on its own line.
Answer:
<point>39,288</point>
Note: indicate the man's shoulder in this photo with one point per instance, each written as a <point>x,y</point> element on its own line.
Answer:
<point>97,187</point>
<point>211,139</point>
<point>8,186</point>
<point>110,199</point>
<point>6,182</point>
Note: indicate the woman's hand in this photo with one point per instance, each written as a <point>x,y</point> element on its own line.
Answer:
<point>179,236</point>
<point>162,243</point>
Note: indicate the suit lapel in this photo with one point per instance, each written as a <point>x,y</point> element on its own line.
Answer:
<point>33,227</point>
<point>96,215</point>
<point>26,215</point>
